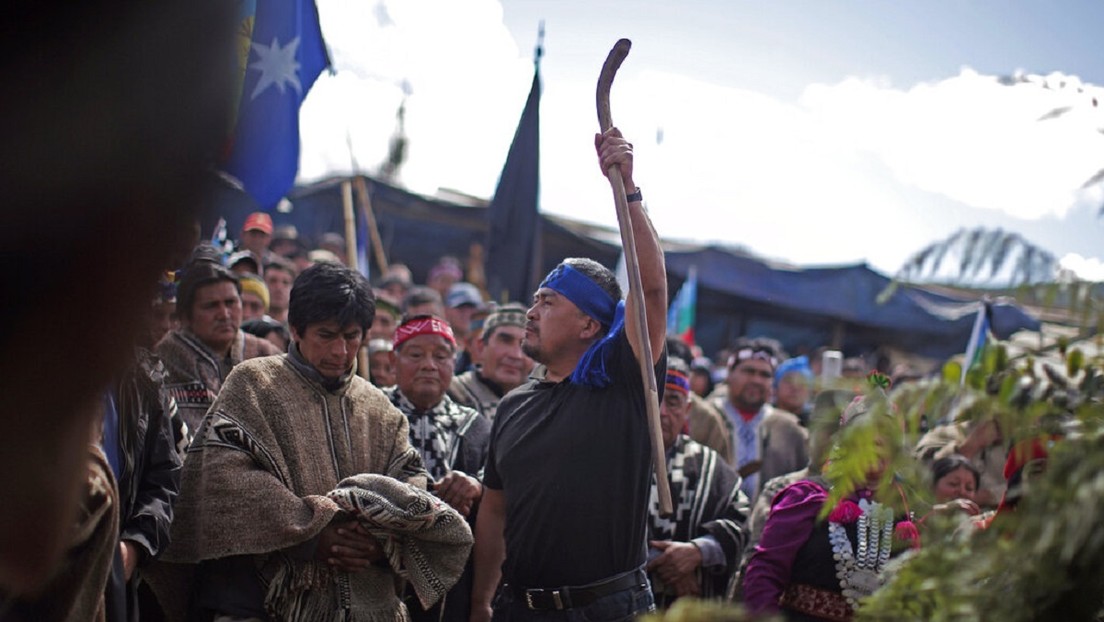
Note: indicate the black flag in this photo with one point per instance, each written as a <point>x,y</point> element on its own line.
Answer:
<point>512,217</point>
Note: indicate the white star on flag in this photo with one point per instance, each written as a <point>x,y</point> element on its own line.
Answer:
<point>277,66</point>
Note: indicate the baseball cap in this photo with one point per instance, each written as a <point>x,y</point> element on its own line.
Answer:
<point>258,221</point>
<point>463,293</point>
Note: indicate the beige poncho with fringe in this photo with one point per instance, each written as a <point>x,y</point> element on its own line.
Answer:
<point>256,479</point>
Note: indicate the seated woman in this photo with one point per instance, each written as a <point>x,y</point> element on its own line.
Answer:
<point>812,569</point>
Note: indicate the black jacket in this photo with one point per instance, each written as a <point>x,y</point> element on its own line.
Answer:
<point>149,477</point>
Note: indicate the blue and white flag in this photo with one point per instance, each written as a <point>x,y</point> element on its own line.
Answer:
<point>220,239</point>
<point>978,336</point>
<point>286,54</point>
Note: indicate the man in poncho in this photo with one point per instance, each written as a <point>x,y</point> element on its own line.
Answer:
<point>200,354</point>
<point>257,525</point>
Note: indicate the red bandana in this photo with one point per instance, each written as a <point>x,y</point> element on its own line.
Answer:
<point>423,326</point>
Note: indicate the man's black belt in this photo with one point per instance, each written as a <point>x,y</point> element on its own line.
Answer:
<point>560,598</point>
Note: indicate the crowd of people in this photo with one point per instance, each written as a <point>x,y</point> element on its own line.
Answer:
<point>292,443</point>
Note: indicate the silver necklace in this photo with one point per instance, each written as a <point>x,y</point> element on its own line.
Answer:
<point>859,571</point>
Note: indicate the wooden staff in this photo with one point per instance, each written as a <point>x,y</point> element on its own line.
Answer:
<point>636,292</point>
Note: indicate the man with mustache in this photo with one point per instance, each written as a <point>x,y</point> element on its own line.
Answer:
<point>564,510</point>
<point>768,442</point>
<point>200,354</point>
<point>500,364</point>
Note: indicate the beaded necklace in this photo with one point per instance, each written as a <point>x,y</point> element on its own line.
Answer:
<point>859,570</point>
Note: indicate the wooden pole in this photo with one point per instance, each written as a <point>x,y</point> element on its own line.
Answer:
<point>351,259</point>
<point>350,225</point>
<point>369,215</point>
<point>639,336</point>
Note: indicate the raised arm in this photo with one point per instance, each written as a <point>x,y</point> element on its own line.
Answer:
<point>614,150</point>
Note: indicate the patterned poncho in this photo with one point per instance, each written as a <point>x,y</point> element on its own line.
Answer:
<point>707,501</point>
<point>196,374</point>
<point>257,477</point>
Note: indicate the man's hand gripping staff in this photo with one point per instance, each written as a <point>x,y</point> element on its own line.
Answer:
<point>616,159</point>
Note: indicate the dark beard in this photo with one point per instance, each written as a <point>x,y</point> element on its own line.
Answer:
<point>531,351</point>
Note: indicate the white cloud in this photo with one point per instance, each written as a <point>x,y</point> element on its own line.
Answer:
<point>464,74</point>
<point>1086,268</point>
<point>847,172</point>
<point>972,138</point>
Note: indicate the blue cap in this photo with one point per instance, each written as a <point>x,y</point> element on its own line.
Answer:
<point>798,364</point>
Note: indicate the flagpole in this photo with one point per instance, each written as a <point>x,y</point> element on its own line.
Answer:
<point>350,225</point>
<point>369,215</point>
<point>536,263</point>
<point>977,340</point>
<point>513,217</point>
<point>351,259</point>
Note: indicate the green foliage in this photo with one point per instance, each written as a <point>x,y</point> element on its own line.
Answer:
<point>1045,560</point>
<point>696,610</point>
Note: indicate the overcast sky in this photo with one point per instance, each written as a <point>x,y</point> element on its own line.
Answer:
<point>813,132</point>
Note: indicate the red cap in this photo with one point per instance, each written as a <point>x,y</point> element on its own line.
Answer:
<point>258,221</point>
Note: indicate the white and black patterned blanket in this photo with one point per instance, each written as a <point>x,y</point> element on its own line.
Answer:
<point>426,542</point>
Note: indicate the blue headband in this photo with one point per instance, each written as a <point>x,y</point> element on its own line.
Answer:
<point>583,292</point>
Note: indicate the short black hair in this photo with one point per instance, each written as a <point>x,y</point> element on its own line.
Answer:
<point>262,326</point>
<point>279,263</point>
<point>601,275</point>
<point>197,274</point>
<point>328,291</point>
<point>678,348</point>
<point>420,295</point>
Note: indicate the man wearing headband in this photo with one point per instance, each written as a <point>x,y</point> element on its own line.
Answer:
<point>767,442</point>
<point>282,433</point>
<point>696,551</point>
<point>451,439</point>
<point>564,512</point>
<point>500,364</point>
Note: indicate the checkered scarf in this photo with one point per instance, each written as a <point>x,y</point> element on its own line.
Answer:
<point>435,433</point>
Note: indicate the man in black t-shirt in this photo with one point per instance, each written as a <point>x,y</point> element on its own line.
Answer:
<point>563,518</point>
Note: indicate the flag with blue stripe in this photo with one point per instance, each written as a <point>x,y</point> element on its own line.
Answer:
<point>978,336</point>
<point>681,314</point>
<point>285,55</point>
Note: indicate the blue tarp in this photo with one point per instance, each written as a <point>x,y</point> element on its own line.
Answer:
<point>804,307</point>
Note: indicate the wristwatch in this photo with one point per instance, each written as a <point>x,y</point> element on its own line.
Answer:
<point>634,197</point>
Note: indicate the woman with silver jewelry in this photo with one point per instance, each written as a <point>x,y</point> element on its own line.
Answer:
<point>809,568</point>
